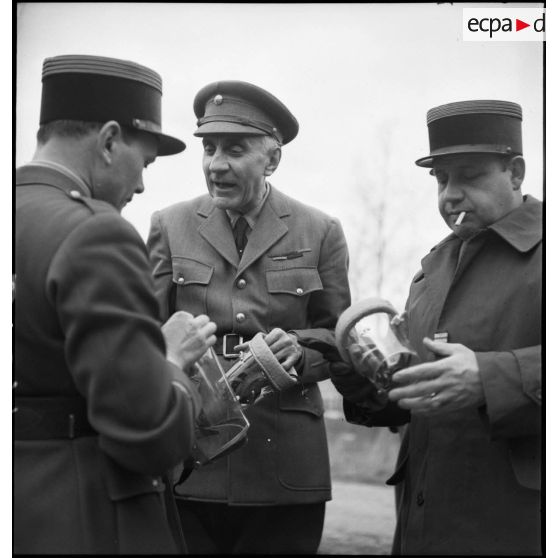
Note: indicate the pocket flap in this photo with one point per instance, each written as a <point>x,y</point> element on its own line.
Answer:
<point>186,271</point>
<point>122,483</point>
<point>297,281</point>
<point>299,398</point>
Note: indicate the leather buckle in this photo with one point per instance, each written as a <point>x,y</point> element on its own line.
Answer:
<point>230,340</point>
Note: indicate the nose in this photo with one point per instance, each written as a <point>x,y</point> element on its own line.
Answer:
<point>140,187</point>
<point>453,192</point>
<point>218,162</point>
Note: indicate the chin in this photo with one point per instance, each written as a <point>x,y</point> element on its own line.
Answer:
<point>224,203</point>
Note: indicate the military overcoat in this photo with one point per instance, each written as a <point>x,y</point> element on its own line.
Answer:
<point>469,481</point>
<point>87,336</point>
<point>293,275</point>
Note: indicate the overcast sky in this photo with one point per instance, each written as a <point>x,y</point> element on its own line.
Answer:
<point>358,77</point>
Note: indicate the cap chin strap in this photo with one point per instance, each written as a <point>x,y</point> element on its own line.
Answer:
<point>264,127</point>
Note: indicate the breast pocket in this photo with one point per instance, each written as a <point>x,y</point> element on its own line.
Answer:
<point>289,292</point>
<point>191,279</point>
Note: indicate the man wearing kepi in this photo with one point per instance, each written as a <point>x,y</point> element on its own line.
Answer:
<point>255,260</point>
<point>102,406</point>
<point>468,475</point>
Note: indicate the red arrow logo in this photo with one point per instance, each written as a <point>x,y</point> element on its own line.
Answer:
<point>519,25</point>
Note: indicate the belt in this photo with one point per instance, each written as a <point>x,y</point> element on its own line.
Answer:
<point>47,418</point>
<point>225,344</point>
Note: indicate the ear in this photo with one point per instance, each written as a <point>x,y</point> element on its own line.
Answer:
<point>517,170</point>
<point>108,136</point>
<point>273,163</point>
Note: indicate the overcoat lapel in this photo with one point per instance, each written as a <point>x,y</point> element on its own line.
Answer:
<point>438,267</point>
<point>268,230</point>
<point>216,229</point>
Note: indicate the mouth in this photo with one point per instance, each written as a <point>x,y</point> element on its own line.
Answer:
<point>222,185</point>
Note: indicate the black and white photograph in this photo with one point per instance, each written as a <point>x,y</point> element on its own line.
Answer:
<point>279,278</point>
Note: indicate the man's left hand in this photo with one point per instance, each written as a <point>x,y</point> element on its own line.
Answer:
<point>448,384</point>
<point>283,345</point>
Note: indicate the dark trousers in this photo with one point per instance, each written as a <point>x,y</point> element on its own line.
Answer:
<point>222,529</point>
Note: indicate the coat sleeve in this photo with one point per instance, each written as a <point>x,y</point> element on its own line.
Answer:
<point>142,406</point>
<point>326,305</point>
<point>161,262</point>
<point>512,388</point>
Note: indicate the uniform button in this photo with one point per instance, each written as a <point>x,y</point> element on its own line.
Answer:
<point>181,280</point>
<point>14,385</point>
<point>155,482</point>
<point>299,291</point>
<point>75,194</point>
<point>269,439</point>
<point>241,283</point>
<point>240,317</point>
<point>420,499</point>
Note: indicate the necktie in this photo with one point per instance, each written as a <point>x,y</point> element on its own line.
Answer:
<point>239,232</point>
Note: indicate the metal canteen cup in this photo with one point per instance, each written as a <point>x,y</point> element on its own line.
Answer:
<point>371,337</point>
<point>221,426</point>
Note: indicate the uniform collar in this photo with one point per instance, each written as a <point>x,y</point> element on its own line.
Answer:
<point>64,170</point>
<point>40,172</point>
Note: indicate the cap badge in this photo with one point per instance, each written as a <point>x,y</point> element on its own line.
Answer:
<point>218,99</point>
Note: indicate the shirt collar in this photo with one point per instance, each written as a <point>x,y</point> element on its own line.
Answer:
<point>64,170</point>
<point>252,215</point>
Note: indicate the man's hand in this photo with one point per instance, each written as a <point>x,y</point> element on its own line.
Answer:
<point>188,338</point>
<point>448,384</point>
<point>283,345</point>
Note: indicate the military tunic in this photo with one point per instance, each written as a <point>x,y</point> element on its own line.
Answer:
<point>292,275</point>
<point>87,335</point>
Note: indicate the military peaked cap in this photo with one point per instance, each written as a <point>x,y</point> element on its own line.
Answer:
<point>473,127</point>
<point>99,89</point>
<point>238,107</point>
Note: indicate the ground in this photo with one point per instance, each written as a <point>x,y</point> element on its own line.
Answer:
<point>359,520</point>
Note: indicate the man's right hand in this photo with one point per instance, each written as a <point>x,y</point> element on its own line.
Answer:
<point>188,338</point>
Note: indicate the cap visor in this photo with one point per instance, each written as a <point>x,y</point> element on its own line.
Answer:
<point>462,149</point>
<point>211,128</point>
<point>169,145</point>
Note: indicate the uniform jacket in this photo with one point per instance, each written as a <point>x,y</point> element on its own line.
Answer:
<point>87,329</point>
<point>469,481</point>
<point>191,245</point>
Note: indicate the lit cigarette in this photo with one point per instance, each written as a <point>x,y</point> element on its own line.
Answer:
<point>460,218</point>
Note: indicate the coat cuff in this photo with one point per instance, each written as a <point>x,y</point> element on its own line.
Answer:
<point>511,411</point>
<point>186,387</point>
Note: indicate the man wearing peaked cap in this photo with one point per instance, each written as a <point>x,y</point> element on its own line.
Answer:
<point>255,260</point>
<point>102,406</point>
<point>468,475</point>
